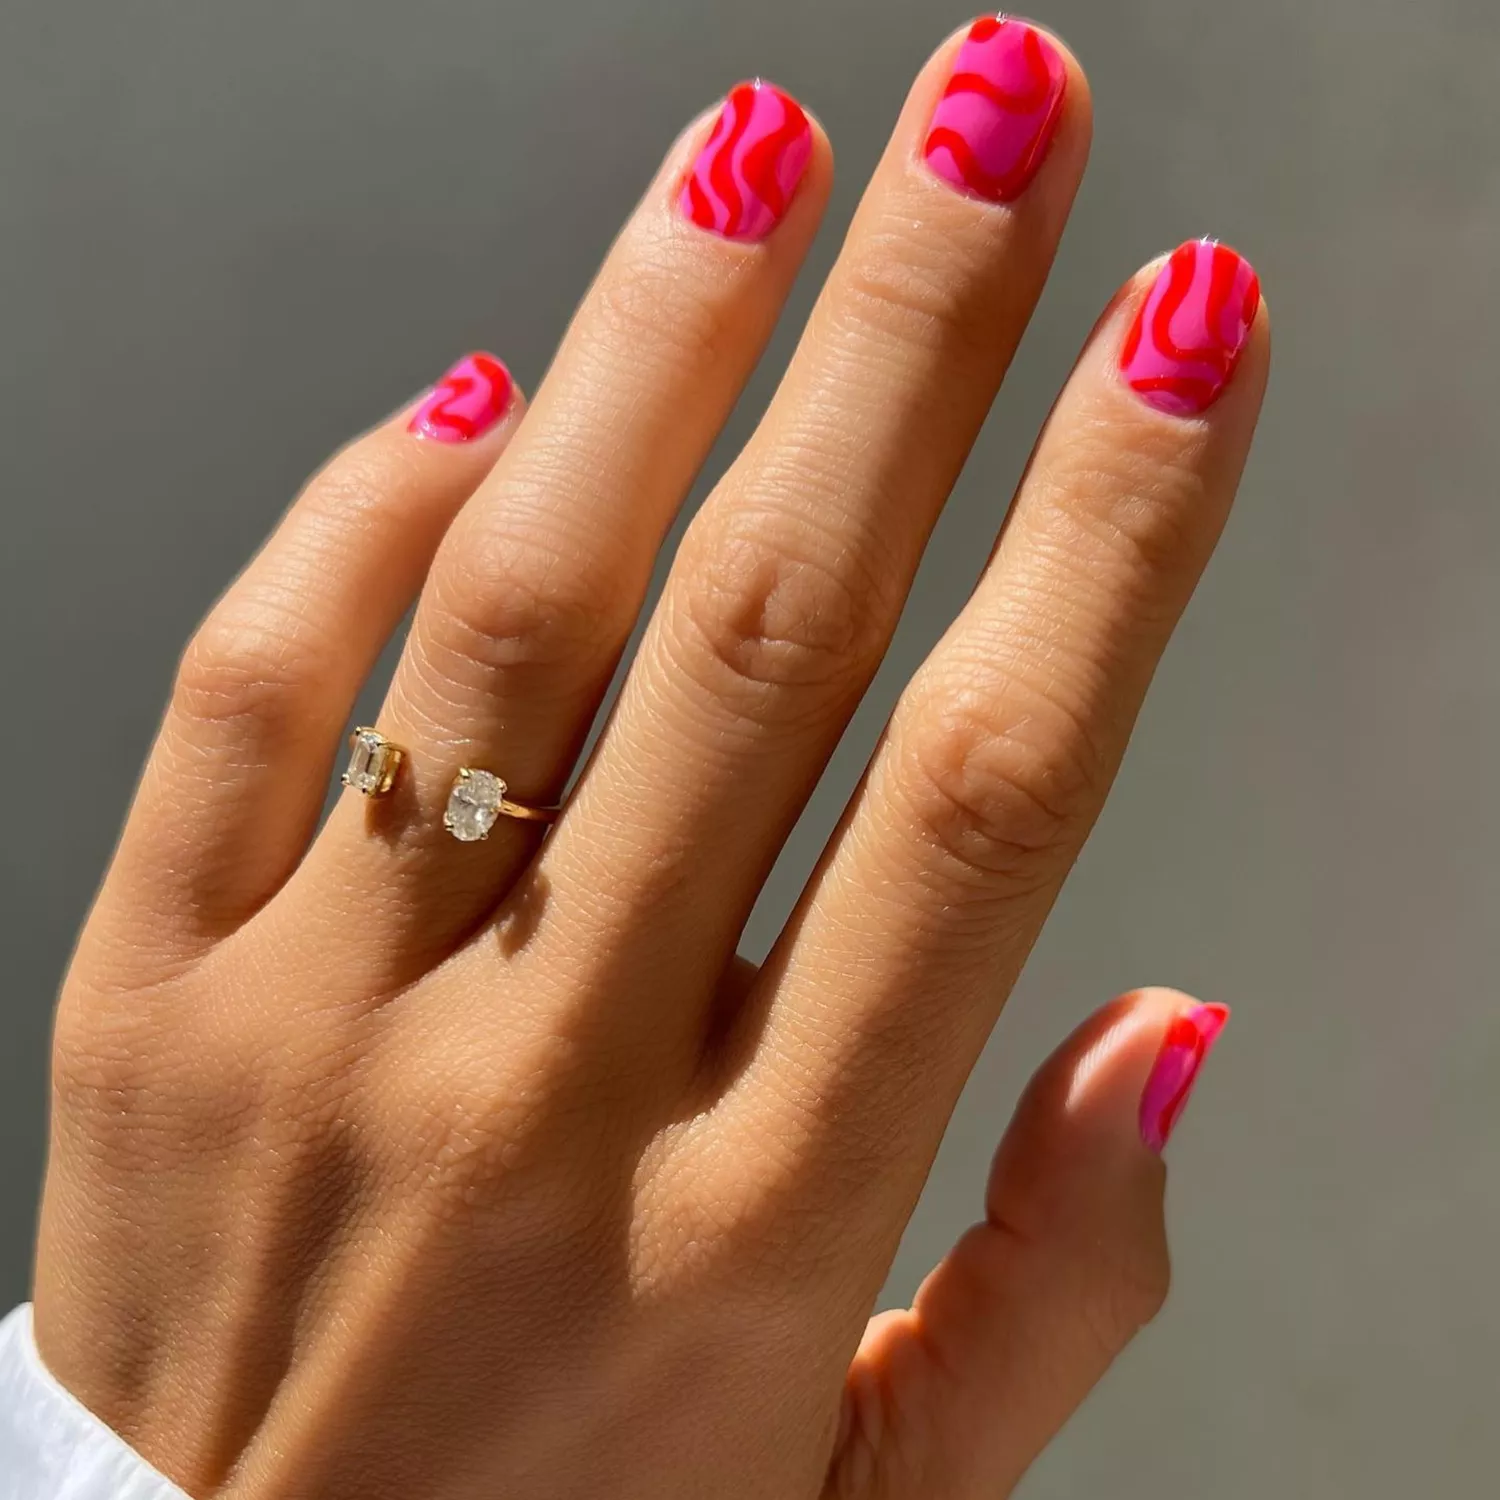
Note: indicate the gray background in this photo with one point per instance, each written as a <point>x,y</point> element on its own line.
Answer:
<point>233,235</point>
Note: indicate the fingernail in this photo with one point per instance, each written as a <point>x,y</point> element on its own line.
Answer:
<point>1191,329</point>
<point>998,115</point>
<point>466,402</point>
<point>744,178</point>
<point>1186,1046</point>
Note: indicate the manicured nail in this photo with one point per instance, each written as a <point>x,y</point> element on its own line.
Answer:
<point>1191,329</point>
<point>745,176</point>
<point>1188,1041</point>
<point>466,402</point>
<point>1000,110</point>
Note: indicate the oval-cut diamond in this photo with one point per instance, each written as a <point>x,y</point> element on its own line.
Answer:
<point>473,805</point>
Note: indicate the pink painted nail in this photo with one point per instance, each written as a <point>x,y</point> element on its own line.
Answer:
<point>1186,1046</point>
<point>466,402</point>
<point>745,176</point>
<point>998,115</point>
<point>1191,329</point>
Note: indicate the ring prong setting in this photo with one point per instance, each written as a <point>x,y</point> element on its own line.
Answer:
<point>374,763</point>
<point>474,804</point>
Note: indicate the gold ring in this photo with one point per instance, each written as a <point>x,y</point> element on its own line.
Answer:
<point>374,763</point>
<point>478,799</point>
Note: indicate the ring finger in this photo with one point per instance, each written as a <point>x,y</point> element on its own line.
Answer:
<point>538,583</point>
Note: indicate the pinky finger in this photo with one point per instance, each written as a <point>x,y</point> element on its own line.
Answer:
<point>235,782</point>
<point>955,1397</point>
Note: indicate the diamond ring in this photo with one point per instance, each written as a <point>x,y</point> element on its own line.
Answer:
<point>478,799</point>
<point>373,763</point>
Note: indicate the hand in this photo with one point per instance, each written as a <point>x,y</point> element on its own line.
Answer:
<point>385,1164</point>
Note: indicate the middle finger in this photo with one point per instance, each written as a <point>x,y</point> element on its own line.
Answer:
<point>789,583</point>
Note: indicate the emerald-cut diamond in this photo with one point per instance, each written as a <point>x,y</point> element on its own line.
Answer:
<point>373,763</point>
<point>473,805</point>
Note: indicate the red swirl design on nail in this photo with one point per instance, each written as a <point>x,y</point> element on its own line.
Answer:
<point>1189,1040</point>
<point>745,176</point>
<point>466,402</point>
<point>1188,336</point>
<point>1000,110</point>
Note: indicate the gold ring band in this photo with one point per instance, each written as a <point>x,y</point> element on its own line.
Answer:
<point>527,814</point>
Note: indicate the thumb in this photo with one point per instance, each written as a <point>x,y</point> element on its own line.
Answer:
<point>955,1397</point>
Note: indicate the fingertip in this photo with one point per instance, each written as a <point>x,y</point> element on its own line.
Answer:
<point>1120,1080</point>
<point>1078,98</point>
<point>475,399</point>
<point>1000,111</point>
<point>1197,333</point>
<point>754,168</point>
<point>1190,1034</point>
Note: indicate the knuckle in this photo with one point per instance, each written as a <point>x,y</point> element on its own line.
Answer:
<point>503,602</point>
<point>908,290</point>
<point>1157,537</point>
<point>1003,794</point>
<point>664,309</point>
<point>1140,507</point>
<point>760,615</point>
<point>1145,1290</point>
<point>355,486</point>
<point>252,659</point>
<point>1126,1292</point>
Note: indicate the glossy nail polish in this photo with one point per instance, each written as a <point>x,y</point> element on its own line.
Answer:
<point>474,395</point>
<point>1191,329</point>
<point>999,112</point>
<point>1189,1040</point>
<point>744,178</point>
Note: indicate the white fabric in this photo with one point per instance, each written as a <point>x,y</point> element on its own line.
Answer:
<point>51,1447</point>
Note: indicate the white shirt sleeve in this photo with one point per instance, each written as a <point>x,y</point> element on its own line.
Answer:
<point>51,1447</point>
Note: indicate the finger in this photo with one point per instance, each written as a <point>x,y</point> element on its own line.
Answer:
<point>954,1398</point>
<point>790,581</point>
<point>538,584</point>
<point>1003,747</point>
<point>238,776</point>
